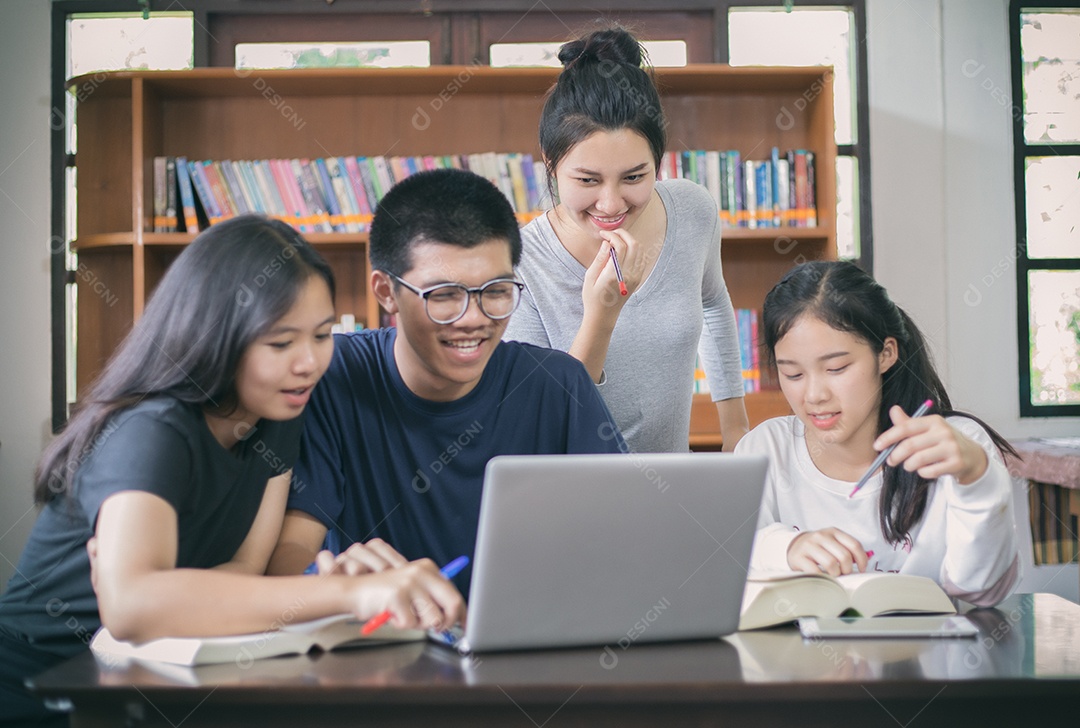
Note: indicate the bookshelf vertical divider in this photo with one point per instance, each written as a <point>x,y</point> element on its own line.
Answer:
<point>127,118</point>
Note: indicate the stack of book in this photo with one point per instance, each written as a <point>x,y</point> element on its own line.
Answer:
<point>770,193</point>
<point>331,194</point>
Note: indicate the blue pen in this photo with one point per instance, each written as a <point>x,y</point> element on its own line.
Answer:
<point>449,571</point>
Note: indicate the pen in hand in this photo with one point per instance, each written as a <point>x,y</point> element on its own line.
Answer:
<point>618,272</point>
<point>884,454</point>
<point>449,571</point>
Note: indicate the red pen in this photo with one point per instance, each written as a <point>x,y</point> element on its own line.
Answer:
<point>618,272</point>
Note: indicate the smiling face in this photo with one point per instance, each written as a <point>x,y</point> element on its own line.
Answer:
<point>279,369</point>
<point>605,182</point>
<point>444,362</point>
<point>832,380</point>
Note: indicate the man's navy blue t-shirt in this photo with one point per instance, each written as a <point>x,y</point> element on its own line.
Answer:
<point>376,460</point>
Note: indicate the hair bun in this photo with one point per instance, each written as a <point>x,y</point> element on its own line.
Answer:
<point>570,52</point>
<point>614,44</point>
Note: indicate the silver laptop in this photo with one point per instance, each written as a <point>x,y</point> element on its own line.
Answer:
<point>611,549</point>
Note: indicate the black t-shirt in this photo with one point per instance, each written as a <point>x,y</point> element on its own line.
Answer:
<point>160,446</point>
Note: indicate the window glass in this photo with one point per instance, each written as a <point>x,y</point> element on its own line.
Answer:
<point>662,53</point>
<point>1050,63</point>
<point>378,54</point>
<point>847,206</point>
<point>1053,206</point>
<point>1054,328</point>
<point>803,37</point>
<point>125,41</point>
<point>111,42</point>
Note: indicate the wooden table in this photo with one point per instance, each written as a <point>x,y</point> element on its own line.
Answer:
<point>1025,665</point>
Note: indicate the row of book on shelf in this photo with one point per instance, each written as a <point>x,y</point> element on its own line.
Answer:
<point>340,194</point>
<point>775,192</point>
<point>746,320</point>
<point>331,194</point>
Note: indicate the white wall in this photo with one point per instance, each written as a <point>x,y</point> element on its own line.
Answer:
<point>943,215</point>
<point>24,265</point>
<point>944,224</point>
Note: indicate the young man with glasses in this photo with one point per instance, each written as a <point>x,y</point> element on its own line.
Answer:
<point>400,429</point>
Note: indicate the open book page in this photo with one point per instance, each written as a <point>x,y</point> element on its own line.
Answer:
<point>778,597</point>
<point>297,638</point>
<point>874,594</point>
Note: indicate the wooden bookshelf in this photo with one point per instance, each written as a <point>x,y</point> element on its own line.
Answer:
<point>125,119</point>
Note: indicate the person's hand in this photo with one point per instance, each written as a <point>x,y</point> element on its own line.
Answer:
<point>829,550</point>
<point>416,595</point>
<point>360,558</point>
<point>931,447</point>
<point>600,292</point>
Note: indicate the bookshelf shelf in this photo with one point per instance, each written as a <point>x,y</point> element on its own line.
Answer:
<point>103,240</point>
<point>128,118</point>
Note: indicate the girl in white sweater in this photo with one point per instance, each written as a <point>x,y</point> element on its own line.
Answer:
<point>852,364</point>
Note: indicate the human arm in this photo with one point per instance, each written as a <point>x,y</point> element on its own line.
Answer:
<point>734,423</point>
<point>142,595</point>
<point>602,301</point>
<point>298,544</point>
<point>719,346</point>
<point>981,563</point>
<point>780,544</point>
<point>253,556</point>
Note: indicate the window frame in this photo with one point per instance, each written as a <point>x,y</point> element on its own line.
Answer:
<point>458,29</point>
<point>1022,150</point>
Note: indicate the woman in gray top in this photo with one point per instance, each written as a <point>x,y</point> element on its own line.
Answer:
<point>602,134</point>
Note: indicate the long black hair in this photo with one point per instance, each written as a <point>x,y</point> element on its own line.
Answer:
<point>846,298</point>
<point>226,289</point>
<point>603,87</point>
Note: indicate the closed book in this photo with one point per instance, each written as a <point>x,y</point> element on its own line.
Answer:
<point>290,193</point>
<point>356,180</point>
<point>187,195</point>
<point>242,204</point>
<point>750,194</point>
<point>343,191</point>
<point>384,175</point>
<point>517,182</point>
<point>202,189</point>
<point>245,173</point>
<point>325,634</point>
<point>159,194</point>
<point>532,194</point>
<point>264,178</point>
<point>329,193</point>
<point>712,178</point>
<point>318,215</point>
<point>219,189</point>
<point>772,598</point>
<point>172,222</point>
<point>801,199</point>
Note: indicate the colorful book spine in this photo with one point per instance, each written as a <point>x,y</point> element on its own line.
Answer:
<point>326,186</point>
<point>187,196</point>
<point>205,194</point>
<point>356,180</point>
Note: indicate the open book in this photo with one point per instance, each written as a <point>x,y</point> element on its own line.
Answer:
<point>777,597</point>
<point>342,630</point>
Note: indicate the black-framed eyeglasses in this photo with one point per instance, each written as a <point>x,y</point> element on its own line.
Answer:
<point>445,303</point>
